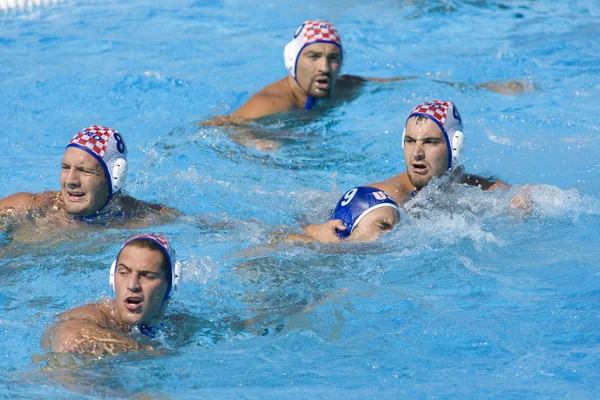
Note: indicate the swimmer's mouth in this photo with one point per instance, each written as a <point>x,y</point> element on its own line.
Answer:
<point>323,83</point>
<point>419,168</point>
<point>133,303</point>
<point>75,195</point>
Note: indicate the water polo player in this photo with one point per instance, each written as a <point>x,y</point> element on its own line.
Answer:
<point>313,59</point>
<point>433,143</point>
<point>365,213</point>
<point>144,276</point>
<point>93,174</point>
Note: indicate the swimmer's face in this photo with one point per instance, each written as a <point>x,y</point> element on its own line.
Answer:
<point>318,68</point>
<point>375,224</point>
<point>140,285</point>
<point>83,184</point>
<point>425,151</point>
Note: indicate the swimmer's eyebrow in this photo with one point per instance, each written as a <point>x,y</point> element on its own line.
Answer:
<point>141,272</point>
<point>432,138</point>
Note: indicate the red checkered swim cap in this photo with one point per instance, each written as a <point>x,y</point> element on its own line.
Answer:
<point>315,31</point>
<point>448,119</point>
<point>108,147</point>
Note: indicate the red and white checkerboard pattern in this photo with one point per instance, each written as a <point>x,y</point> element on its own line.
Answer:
<point>319,30</point>
<point>94,138</point>
<point>436,108</point>
<point>157,237</point>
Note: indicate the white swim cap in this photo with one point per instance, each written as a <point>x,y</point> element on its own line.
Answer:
<point>108,147</point>
<point>169,253</point>
<point>446,116</point>
<point>315,31</point>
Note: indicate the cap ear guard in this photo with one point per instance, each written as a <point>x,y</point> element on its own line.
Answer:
<point>111,278</point>
<point>458,143</point>
<point>176,276</point>
<point>119,174</point>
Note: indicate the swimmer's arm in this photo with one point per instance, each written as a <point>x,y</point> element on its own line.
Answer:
<point>355,80</point>
<point>18,202</point>
<point>226,120</point>
<point>485,183</point>
<point>161,208</point>
<point>521,201</point>
<point>511,87</point>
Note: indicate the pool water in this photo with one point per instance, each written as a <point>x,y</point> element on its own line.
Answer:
<point>464,299</point>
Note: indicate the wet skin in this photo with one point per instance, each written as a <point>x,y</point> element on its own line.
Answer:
<point>140,285</point>
<point>425,151</point>
<point>83,184</point>
<point>375,224</point>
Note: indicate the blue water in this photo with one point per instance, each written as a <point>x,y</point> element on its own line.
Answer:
<point>464,299</point>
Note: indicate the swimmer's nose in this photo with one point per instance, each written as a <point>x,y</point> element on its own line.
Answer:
<point>133,283</point>
<point>418,153</point>
<point>325,65</point>
<point>73,178</point>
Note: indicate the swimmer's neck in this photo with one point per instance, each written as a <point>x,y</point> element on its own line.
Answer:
<point>299,96</point>
<point>114,207</point>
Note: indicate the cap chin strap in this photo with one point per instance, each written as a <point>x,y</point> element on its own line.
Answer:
<point>457,143</point>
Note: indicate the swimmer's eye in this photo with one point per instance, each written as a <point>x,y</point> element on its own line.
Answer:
<point>409,140</point>
<point>432,141</point>
<point>149,275</point>
<point>335,58</point>
<point>385,227</point>
<point>65,167</point>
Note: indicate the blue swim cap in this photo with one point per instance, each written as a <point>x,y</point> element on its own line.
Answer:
<point>358,202</point>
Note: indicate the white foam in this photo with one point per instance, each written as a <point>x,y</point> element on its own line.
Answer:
<point>26,5</point>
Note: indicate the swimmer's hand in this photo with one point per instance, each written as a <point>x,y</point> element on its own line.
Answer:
<point>522,201</point>
<point>327,232</point>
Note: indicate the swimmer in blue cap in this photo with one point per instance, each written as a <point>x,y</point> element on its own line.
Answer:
<point>144,277</point>
<point>365,212</point>
<point>433,144</point>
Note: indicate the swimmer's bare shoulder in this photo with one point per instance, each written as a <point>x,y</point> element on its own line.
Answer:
<point>17,202</point>
<point>90,330</point>
<point>24,202</point>
<point>274,98</point>
<point>397,187</point>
